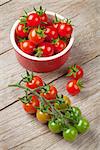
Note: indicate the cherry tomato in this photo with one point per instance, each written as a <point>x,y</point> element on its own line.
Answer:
<point>43,16</point>
<point>51,33</point>
<point>36,35</point>
<point>55,25</point>
<point>67,101</point>
<point>75,72</point>
<point>76,111</point>
<point>82,126</point>
<point>50,94</point>
<point>21,30</point>
<point>55,126</point>
<point>64,29</point>
<point>59,45</point>
<point>30,107</point>
<point>73,87</point>
<point>43,117</point>
<point>35,82</point>
<point>27,46</point>
<point>70,134</point>
<point>45,49</point>
<point>33,20</point>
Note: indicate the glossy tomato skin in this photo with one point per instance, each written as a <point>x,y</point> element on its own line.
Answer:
<point>35,37</point>
<point>43,117</point>
<point>51,94</point>
<point>36,82</point>
<point>44,17</point>
<point>20,31</point>
<point>30,107</point>
<point>51,33</point>
<point>64,29</point>
<point>54,126</point>
<point>33,20</point>
<point>83,125</point>
<point>59,46</point>
<point>72,87</point>
<point>70,134</point>
<point>64,105</point>
<point>27,46</point>
<point>76,111</point>
<point>77,74</point>
<point>55,25</point>
<point>47,49</point>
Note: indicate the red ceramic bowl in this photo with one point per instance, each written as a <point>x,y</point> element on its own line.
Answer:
<point>43,64</point>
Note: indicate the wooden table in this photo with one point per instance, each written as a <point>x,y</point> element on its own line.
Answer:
<point>18,131</point>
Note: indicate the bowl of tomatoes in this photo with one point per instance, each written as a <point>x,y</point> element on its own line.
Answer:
<point>42,40</point>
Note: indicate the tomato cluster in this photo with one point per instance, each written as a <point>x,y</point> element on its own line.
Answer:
<point>38,35</point>
<point>76,73</point>
<point>50,107</point>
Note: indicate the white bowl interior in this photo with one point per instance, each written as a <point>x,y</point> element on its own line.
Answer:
<point>12,37</point>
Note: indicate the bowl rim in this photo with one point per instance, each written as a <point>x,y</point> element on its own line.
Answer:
<point>17,49</point>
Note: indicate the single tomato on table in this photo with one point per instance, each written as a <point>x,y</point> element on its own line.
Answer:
<point>75,72</point>
<point>74,87</point>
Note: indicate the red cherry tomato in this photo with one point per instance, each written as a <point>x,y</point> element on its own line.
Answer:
<point>33,20</point>
<point>50,94</point>
<point>31,106</point>
<point>73,87</point>
<point>43,17</point>
<point>75,72</point>
<point>35,82</point>
<point>36,35</point>
<point>27,47</point>
<point>64,29</point>
<point>59,45</point>
<point>55,25</point>
<point>45,49</point>
<point>21,30</point>
<point>42,14</point>
<point>51,33</point>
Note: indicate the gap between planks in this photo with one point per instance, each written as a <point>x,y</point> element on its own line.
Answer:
<point>48,83</point>
<point>5,2</point>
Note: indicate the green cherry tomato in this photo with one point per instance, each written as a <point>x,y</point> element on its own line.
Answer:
<point>55,126</point>
<point>76,111</point>
<point>70,134</point>
<point>83,125</point>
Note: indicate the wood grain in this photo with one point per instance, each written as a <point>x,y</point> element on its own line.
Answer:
<point>16,126</point>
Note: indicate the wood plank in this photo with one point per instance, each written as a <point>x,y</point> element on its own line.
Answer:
<point>4,2</point>
<point>16,127</point>
<point>84,15</point>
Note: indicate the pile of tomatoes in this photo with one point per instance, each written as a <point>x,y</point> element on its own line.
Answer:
<point>38,35</point>
<point>52,108</point>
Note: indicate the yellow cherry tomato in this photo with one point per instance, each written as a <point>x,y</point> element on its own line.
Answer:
<point>63,105</point>
<point>43,117</point>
